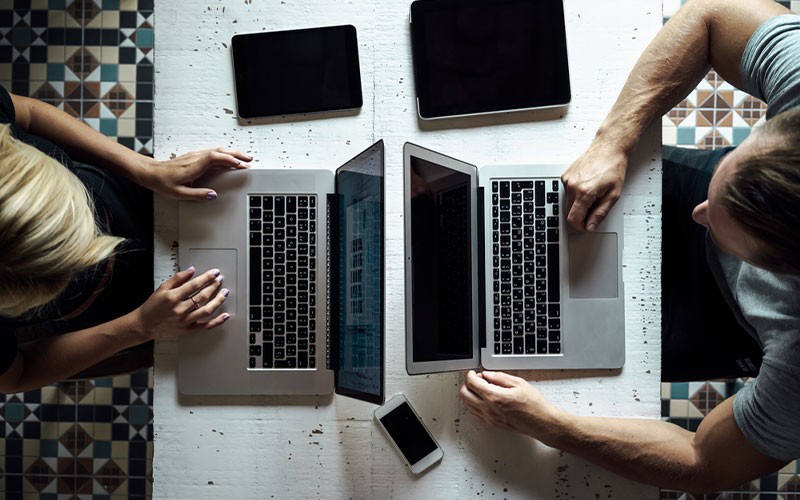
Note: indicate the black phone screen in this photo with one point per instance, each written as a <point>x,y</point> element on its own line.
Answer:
<point>408,433</point>
<point>296,71</point>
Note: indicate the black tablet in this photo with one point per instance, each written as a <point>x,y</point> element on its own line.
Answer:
<point>484,56</point>
<point>296,71</point>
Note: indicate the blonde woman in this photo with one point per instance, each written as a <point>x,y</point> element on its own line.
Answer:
<point>76,245</point>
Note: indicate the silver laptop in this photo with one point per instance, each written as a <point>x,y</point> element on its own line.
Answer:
<point>302,253</point>
<point>495,277</point>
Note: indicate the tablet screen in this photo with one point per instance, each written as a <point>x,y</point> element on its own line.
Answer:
<point>360,309</point>
<point>478,56</point>
<point>296,71</point>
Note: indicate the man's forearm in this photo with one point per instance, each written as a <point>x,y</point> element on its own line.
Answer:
<point>648,451</point>
<point>701,34</point>
<point>671,65</point>
<point>660,453</point>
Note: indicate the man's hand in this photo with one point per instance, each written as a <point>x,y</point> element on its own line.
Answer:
<point>175,178</point>
<point>507,401</point>
<point>182,304</point>
<point>594,184</point>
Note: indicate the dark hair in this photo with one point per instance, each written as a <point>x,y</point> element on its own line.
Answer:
<point>764,194</point>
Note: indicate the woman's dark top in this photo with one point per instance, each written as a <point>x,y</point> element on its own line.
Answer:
<point>123,209</point>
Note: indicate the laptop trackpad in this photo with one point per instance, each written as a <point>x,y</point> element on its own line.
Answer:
<point>223,259</point>
<point>593,262</point>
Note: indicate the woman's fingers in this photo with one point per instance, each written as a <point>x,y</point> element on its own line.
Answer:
<point>191,193</point>
<point>179,278</point>
<point>207,308</point>
<point>196,284</point>
<point>236,154</point>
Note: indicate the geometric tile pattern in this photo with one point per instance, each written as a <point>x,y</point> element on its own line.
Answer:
<point>713,115</point>
<point>91,58</point>
<point>85,438</point>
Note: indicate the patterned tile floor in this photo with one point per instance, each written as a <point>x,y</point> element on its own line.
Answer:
<point>93,438</point>
<point>88,438</point>
<point>91,58</point>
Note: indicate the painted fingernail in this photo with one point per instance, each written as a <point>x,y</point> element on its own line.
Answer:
<point>591,227</point>
<point>211,195</point>
<point>215,272</point>
<point>225,292</point>
<point>189,269</point>
<point>226,317</point>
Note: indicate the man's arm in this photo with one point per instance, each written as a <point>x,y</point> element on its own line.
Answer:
<point>649,451</point>
<point>172,178</point>
<point>702,33</point>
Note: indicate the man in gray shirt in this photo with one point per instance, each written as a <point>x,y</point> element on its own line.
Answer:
<point>742,265</point>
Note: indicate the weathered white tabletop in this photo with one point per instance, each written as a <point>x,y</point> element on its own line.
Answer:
<point>329,447</point>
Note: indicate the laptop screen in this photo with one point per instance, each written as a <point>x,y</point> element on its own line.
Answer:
<point>441,252</point>
<point>359,349</point>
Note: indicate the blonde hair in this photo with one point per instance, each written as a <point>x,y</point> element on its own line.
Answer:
<point>47,228</point>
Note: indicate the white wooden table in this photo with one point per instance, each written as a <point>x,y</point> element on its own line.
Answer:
<point>329,447</point>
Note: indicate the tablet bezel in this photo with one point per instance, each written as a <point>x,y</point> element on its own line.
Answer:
<point>428,110</point>
<point>248,105</point>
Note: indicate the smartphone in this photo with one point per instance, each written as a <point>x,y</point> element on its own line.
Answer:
<point>408,434</point>
<point>296,71</point>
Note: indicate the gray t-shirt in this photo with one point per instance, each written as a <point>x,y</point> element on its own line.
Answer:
<point>767,410</point>
<point>770,64</point>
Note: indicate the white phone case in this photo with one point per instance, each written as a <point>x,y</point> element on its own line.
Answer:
<point>422,463</point>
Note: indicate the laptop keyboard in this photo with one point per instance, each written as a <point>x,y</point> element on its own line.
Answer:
<point>525,258</point>
<point>282,295</point>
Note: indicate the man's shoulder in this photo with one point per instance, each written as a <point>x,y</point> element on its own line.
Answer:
<point>772,291</point>
<point>770,67</point>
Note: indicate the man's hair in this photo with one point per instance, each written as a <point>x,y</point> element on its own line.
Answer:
<point>764,193</point>
<point>47,228</point>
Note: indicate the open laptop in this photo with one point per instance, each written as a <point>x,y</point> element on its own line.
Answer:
<point>495,277</point>
<point>302,253</point>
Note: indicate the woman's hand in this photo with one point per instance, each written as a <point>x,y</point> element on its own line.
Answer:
<point>175,178</point>
<point>182,304</point>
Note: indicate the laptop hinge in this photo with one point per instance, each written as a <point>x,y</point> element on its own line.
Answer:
<point>333,281</point>
<point>481,273</point>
